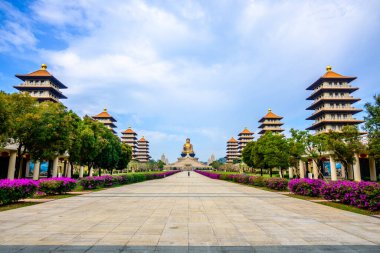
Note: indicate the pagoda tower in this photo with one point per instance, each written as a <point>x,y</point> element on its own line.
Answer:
<point>42,85</point>
<point>143,150</point>
<point>244,137</point>
<point>271,122</point>
<point>332,102</point>
<point>130,137</point>
<point>232,150</point>
<point>106,119</point>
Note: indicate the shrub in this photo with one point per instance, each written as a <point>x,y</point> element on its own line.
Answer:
<point>256,181</point>
<point>51,186</point>
<point>364,195</point>
<point>279,184</point>
<point>14,190</point>
<point>91,182</point>
<point>306,187</point>
<point>208,174</point>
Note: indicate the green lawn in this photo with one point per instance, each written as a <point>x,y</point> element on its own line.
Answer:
<point>16,205</point>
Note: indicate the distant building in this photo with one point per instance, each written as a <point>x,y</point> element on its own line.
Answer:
<point>143,150</point>
<point>211,159</point>
<point>332,102</point>
<point>245,136</point>
<point>130,137</point>
<point>42,85</point>
<point>271,122</point>
<point>164,159</point>
<point>106,119</point>
<point>232,150</point>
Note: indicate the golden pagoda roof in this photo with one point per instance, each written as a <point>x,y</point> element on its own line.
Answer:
<point>330,75</point>
<point>232,140</point>
<point>142,139</point>
<point>245,131</point>
<point>104,115</point>
<point>128,131</point>
<point>270,115</point>
<point>43,73</point>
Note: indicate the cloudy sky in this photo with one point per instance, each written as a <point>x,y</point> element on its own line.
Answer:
<point>199,69</point>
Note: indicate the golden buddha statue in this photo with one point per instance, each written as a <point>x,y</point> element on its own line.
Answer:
<point>187,149</point>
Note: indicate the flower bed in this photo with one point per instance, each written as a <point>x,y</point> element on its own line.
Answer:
<point>279,184</point>
<point>208,174</point>
<point>14,190</point>
<point>256,181</point>
<point>108,181</point>
<point>59,185</point>
<point>364,195</point>
<point>306,187</point>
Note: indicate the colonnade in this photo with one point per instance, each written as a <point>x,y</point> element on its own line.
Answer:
<point>353,171</point>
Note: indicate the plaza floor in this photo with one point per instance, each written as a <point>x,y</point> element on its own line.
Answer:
<point>186,214</point>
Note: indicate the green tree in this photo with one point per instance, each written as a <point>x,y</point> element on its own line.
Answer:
<point>316,146</point>
<point>216,164</point>
<point>160,164</point>
<point>125,156</point>
<point>274,150</point>
<point>344,145</point>
<point>247,154</point>
<point>297,147</point>
<point>372,126</point>
<point>5,118</point>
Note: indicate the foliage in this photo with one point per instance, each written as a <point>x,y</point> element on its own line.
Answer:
<point>306,187</point>
<point>14,190</point>
<point>372,126</point>
<point>316,146</point>
<point>52,186</point>
<point>125,156</point>
<point>208,174</point>
<point>344,144</point>
<point>279,184</point>
<point>364,195</point>
<point>216,164</point>
<point>4,119</point>
<point>247,154</point>
<point>297,147</point>
<point>256,181</point>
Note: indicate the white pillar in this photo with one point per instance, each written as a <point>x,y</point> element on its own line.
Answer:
<point>36,170</point>
<point>315,169</point>
<point>290,172</point>
<point>302,169</point>
<point>333,168</point>
<point>81,172</point>
<point>68,169</point>
<point>343,170</point>
<point>372,169</point>
<point>91,172</point>
<point>55,167</point>
<point>357,173</point>
<point>12,165</point>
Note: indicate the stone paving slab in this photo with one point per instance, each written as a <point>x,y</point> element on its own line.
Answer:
<point>186,214</point>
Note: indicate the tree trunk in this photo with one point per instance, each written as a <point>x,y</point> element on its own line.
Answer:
<point>100,171</point>
<point>261,171</point>
<point>72,169</point>
<point>270,172</point>
<point>320,168</point>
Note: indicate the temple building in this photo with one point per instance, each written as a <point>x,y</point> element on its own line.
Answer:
<point>211,159</point>
<point>164,159</point>
<point>107,120</point>
<point>130,137</point>
<point>332,102</point>
<point>271,122</point>
<point>232,150</point>
<point>244,137</point>
<point>143,150</point>
<point>187,161</point>
<point>42,85</point>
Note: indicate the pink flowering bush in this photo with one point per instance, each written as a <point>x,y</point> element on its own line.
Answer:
<point>208,174</point>
<point>14,190</point>
<point>306,187</point>
<point>364,195</point>
<point>279,184</point>
<point>59,185</point>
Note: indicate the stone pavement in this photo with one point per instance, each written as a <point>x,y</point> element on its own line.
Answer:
<point>186,214</point>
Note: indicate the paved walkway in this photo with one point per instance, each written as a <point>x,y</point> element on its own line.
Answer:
<point>186,214</point>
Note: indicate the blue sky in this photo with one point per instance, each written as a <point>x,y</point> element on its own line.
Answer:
<point>198,69</point>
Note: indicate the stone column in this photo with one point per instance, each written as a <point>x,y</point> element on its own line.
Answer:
<point>357,173</point>
<point>12,165</point>
<point>36,170</point>
<point>290,172</point>
<point>91,171</point>
<point>333,168</point>
<point>315,169</point>
<point>372,169</point>
<point>81,172</point>
<point>55,167</point>
<point>343,170</point>
<point>302,169</point>
<point>68,174</point>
